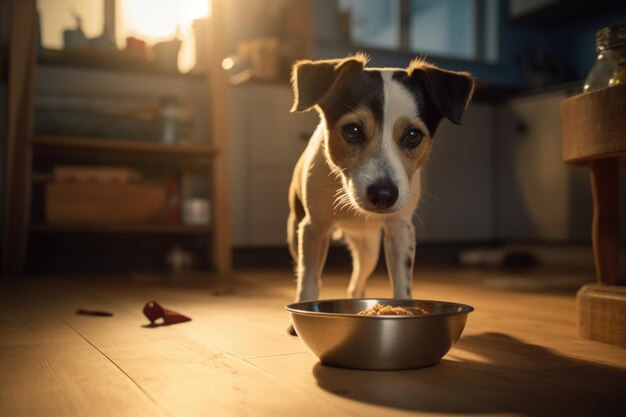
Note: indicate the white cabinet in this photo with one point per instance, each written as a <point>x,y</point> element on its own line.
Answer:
<point>266,143</point>
<point>539,198</point>
<point>497,177</point>
<point>267,140</point>
<point>457,182</point>
<point>533,183</point>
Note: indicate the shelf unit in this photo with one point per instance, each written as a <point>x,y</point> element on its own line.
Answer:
<point>99,59</point>
<point>27,150</point>
<point>48,143</point>
<point>98,150</point>
<point>144,228</point>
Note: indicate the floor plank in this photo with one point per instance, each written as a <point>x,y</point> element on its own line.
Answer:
<point>178,366</point>
<point>520,353</point>
<point>47,369</point>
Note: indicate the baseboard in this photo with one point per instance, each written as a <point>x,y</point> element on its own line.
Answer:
<point>513,255</point>
<point>563,254</point>
<point>339,257</point>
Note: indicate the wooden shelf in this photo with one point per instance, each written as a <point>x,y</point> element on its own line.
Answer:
<point>199,168</point>
<point>69,142</point>
<point>110,60</point>
<point>121,228</point>
<point>68,147</point>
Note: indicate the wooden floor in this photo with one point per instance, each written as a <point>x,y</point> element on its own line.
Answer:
<point>519,355</point>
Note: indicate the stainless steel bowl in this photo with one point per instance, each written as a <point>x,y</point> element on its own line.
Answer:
<point>333,331</point>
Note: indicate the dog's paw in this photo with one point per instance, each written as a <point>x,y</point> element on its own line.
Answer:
<point>291,330</point>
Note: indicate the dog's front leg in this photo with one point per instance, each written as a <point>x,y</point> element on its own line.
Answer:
<point>399,256</point>
<point>313,241</point>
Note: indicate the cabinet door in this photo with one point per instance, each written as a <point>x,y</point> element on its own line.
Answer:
<point>539,197</point>
<point>269,207</point>
<point>267,142</point>
<point>276,137</point>
<point>457,186</point>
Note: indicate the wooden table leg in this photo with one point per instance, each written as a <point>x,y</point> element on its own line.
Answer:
<point>602,307</point>
<point>606,229</point>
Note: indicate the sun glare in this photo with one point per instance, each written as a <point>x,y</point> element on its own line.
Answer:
<point>159,20</point>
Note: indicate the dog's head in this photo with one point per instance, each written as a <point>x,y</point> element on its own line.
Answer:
<point>380,122</point>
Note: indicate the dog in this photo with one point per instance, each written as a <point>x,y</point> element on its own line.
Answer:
<point>360,172</point>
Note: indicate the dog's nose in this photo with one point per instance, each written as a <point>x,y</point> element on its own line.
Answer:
<point>382,194</point>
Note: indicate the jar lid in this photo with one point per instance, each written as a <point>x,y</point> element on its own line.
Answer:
<point>611,37</point>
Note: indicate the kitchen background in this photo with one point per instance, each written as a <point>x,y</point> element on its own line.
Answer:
<point>498,180</point>
<point>495,186</point>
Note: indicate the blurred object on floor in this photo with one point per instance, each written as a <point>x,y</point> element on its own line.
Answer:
<point>179,259</point>
<point>550,255</point>
<point>154,311</point>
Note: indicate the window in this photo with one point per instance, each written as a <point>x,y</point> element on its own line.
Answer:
<point>152,21</point>
<point>372,22</point>
<point>462,29</point>
<point>443,27</point>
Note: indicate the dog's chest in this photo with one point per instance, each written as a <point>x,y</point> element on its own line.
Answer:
<point>349,221</point>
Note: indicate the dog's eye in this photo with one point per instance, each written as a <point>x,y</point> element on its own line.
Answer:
<point>411,138</point>
<point>352,133</point>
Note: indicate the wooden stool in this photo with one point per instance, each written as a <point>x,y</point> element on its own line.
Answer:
<point>594,134</point>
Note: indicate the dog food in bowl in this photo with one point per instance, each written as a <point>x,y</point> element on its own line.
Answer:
<point>335,332</point>
<point>387,310</point>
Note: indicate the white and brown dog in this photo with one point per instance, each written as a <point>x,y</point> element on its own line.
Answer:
<point>360,172</point>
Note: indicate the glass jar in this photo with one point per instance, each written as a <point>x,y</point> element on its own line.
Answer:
<point>610,66</point>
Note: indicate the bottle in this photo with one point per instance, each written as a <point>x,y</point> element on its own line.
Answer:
<point>171,115</point>
<point>610,66</point>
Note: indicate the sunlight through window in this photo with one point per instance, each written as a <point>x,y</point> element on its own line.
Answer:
<point>161,20</point>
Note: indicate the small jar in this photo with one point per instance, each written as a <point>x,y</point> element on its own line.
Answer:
<point>610,66</point>
<point>171,116</point>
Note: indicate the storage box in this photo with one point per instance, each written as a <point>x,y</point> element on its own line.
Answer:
<point>105,203</point>
<point>94,174</point>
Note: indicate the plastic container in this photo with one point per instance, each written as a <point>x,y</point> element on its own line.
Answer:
<point>196,211</point>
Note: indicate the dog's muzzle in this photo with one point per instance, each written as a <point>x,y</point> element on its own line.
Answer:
<point>382,194</point>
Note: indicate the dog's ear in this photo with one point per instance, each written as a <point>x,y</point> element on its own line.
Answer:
<point>313,80</point>
<point>449,91</point>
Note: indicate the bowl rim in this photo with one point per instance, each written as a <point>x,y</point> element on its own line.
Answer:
<point>293,310</point>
